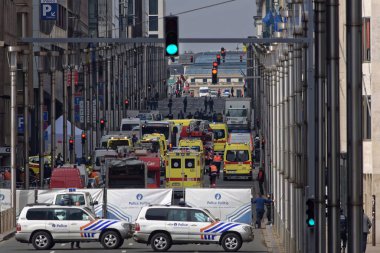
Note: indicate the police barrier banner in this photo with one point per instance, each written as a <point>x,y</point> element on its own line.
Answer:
<point>125,204</point>
<point>23,197</point>
<point>47,196</point>
<point>226,204</point>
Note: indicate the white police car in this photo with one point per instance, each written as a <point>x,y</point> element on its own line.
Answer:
<point>43,225</point>
<point>163,226</point>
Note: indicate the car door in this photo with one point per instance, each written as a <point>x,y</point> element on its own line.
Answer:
<point>201,226</point>
<point>82,225</point>
<point>177,224</point>
<point>58,224</point>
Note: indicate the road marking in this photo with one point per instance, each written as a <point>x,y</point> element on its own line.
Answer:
<point>52,251</point>
<point>63,244</point>
<point>130,244</point>
<point>123,251</point>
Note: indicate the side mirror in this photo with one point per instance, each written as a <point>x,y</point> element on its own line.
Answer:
<point>209,219</point>
<point>217,219</point>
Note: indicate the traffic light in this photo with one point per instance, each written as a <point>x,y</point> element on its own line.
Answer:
<point>102,124</point>
<point>191,59</point>
<point>214,65</point>
<point>310,219</point>
<point>171,35</point>
<point>241,58</point>
<point>84,138</point>
<point>223,53</point>
<point>214,76</point>
<point>71,143</point>
<point>218,59</point>
<point>126,103</point>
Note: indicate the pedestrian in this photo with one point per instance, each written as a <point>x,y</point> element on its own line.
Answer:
<point>77,242</point>
<point>170,104</point>
<point>134,139</point>
<point>213,175</point>
<point>205,103</point>
<point>367,224</point>
<point>260,202</point>
<point>196,114</point>
<point>269,210</point>
<point>180,115</point>
<point>343,230</point>
<point>232,91</point>
<point>211,104</point>
<point>217,161</point>
<point>214,117</point>
<point>156,96</point>
<point>189,115</point>
<point>219,93</point>
<point>185,104</point>
<point>260,179</point>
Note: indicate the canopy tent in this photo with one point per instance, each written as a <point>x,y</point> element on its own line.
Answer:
<point>59,137</point>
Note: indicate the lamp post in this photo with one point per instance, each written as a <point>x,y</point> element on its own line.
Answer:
<point>66,74</point>
<point>12,62</point>
<point>74,73</point>
<point>91,94</point>
<point>25,63</point>
<point>85,84</point>
<point>97,127</point>
<point>53,56</point>
<point>40,62</point>
<point>109,57</point>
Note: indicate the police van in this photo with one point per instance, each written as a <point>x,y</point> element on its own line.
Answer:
<point>163,226</point>
<point>43,225</point>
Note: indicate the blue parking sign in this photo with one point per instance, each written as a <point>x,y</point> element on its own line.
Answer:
<point>48,10</point>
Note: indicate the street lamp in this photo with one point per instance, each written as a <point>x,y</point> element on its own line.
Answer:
<point>74,59</point>
<point>53,55</point>
<point>12,62</point>
<point>25,63</point>
<point>109,57</point>
<point>84,62</point>
<point>40,57</point>
<point>66,81</point>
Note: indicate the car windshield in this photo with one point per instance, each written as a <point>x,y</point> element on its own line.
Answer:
<point>203,91</point>
<point>237,155</point>
<point>236,113</point>
<point>128,127</point>
<point>145,116</point>
<point>69,199</point>
<point>117,143</point>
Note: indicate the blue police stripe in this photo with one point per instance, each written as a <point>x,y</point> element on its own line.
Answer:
<point>95,224</point>
<point>221,228</point>
<point>85,235</point>
<point>214,227</point>
<point>101,225</point>
<point>229,227</point>
<point>113,222</point>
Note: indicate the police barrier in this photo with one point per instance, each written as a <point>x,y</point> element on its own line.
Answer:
<point>122,204</point>
<point>125,204</point>
<point>226,204</point>
<point>23,197</point>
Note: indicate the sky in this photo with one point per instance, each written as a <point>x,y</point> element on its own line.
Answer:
<point>230,20</point>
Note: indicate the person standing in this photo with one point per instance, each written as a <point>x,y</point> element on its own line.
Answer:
<point>181,115</point>
<point>170,104</point>
<point>269,210</point>
<point>184,104</point>
<point>232,91</point>
<point>343,230</point>
<point>77,242</point>
<point>260,202</point>
<point>213,175</point>
<point>217,162</point>
<point>367,224</point>
<point>205,103</point>
<point>260,179</point>
<point>211,104</point>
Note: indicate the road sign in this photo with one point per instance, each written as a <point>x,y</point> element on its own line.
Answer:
<point>20,124</point>
<point>48,9</point>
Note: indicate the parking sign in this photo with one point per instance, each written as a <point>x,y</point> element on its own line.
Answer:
<point>48,10</point>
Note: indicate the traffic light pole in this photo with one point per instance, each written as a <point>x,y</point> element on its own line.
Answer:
<point>72,151</point>
<point>85,99</point>
<point>108,118</point>
<point>91,109</point>
<point>97,115</point>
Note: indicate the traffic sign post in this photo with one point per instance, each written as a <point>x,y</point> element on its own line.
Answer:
<point>48,10</point>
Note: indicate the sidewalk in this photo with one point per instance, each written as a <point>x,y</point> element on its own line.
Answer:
<point>271,240</point>
<point>8,234</point>
<point>373,249</point>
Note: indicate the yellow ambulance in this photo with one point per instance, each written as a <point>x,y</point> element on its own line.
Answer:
<point>115,142</point>
<point>183,169</point>
<point>158,141</point>
<point>237,161</point>
<point>220,131</point>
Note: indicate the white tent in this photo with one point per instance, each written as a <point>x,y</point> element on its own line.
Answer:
<point>59,137</point>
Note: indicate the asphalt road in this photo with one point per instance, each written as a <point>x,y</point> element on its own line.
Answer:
<point>257,246</point>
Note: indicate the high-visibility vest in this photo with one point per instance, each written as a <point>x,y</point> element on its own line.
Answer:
<point>217,158</point>
<point>213,168</point>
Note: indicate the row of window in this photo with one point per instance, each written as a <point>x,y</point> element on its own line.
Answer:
<point>184,215</point>
<point>177,163</point>
<point>204,80</point>
<point>56,214</point>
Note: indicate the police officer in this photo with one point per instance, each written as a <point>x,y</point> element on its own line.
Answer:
<point>343,230</point>
<point>218,162</point>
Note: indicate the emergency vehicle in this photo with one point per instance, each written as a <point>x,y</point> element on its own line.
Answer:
<point>237,162</point>
<point>184,169</point>
<point>34,163</point>
<point>115,142</point>
<point>220,131</point>
<point>158,141</point>
<point>197,145</point>
<point>200,129</point>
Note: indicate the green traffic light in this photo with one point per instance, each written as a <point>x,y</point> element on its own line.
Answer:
<point>311,222</point>
<point>172,49</point>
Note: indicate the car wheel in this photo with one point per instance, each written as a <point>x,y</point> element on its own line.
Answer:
<point>110,240</point>
<point>160,242</point>
<point>42,241</point>
<point>225,179</point>
<point>120,243</point>
<point>231,242</point>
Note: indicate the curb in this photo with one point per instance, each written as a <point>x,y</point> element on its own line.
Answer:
<point>7,235</point>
